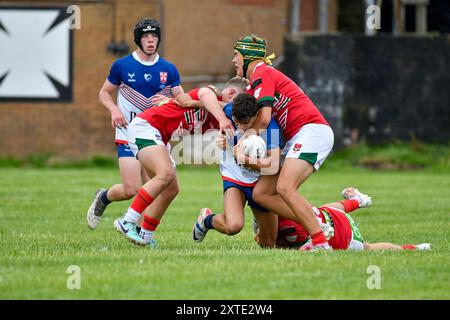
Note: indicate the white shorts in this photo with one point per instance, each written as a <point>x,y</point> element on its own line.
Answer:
<point>312,143</point>
<point>142,134</point>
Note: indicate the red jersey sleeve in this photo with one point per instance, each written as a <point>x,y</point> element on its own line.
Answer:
<point>263,87</point>
<point>194,94</point>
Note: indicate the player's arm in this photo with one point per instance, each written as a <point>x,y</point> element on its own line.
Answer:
<point>106,98</point>
<point>209,99</point>
<point>186,101</point>
<point>264,116</point>
<point>159,99</point>
<point>176,91</point>
<point>263,88</point>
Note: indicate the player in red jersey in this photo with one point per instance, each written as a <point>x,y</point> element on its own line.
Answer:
<point>343,231</point>
<point>309,138</point>
<point>148,135</point>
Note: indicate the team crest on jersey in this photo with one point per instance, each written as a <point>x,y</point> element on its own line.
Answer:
<point>130,77</point>
<point>297,147</point>
<point>163,77</point>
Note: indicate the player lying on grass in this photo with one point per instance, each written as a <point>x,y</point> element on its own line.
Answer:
<point>148,135</point>
<point>344,233</point>
<point>239,180</point>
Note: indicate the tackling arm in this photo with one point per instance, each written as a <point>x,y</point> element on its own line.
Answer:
<point>263,118</point>
<point>268,166</point>
<point>209,99</point>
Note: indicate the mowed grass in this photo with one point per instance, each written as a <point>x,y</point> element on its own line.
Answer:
<point>43,231</point>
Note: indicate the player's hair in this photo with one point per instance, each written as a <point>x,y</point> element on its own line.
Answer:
<point>238,83</point>
<point>244,108</point>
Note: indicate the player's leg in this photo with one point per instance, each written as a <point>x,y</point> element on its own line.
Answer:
<point>267,230</point>
<point>156,161</point>
<point>293,174</point>
<point>392,246</point>
<point>305,153</point>
<point>130,171</point>
<point>381,246</point>
<point>152,215</point>
<point>353,199</point>
<point>265,194</point>
<point>351,193</point>
<point>230,222</point>
<point>159,206</point>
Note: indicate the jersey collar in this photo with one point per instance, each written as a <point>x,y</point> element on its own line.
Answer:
<point>145,63</point>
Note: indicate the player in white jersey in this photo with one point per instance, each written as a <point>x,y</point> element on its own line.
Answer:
<point>142,79</point>
<point>239,180</point>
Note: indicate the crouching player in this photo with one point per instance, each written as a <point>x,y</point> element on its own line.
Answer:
<point>344,232</point>
<point>239,180</point>
<point>148,135</point>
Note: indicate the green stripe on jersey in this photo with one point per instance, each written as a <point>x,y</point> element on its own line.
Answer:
<point>142,143</point>
<point>264,99</point>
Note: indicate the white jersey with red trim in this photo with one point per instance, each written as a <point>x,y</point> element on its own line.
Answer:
<point>235,172</point>
<point>139,82</point>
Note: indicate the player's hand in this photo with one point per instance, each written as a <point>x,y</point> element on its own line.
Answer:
<point>239,153</point>
<point>226,127</point>
<point>221,141</point>
<point>118,119</point>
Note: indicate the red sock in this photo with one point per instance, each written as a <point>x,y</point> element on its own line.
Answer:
<point>141,201</point>
<point>350,204</point>
<point>409,247</point>
<point>149,223</point>
<point>318,237</point>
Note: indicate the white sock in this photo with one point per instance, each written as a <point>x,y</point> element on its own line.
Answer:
<point>132,216</point>
<point>145,234</point>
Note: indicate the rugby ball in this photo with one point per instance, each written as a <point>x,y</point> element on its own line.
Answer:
<point>255,147</point>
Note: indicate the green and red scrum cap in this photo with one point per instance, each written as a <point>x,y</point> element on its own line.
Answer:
<point>252,48</point>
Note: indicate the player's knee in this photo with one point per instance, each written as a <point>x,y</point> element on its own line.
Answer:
<point>234,228</point>
<point>130,191</point>
<point>258,195</point>
<point>165,178</point>
<point>282,188</point>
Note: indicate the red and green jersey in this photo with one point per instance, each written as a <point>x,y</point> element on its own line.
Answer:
<point>171,119</point>
<point>295,235</point>
<point>291,107</point>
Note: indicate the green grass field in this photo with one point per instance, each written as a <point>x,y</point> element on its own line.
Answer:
<point>43,231</point>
